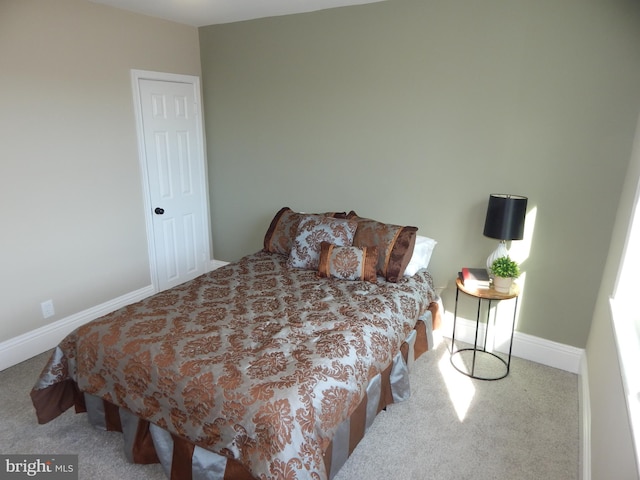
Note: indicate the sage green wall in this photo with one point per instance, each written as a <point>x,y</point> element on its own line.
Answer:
<point>71,195</point>
<point>414,111</point>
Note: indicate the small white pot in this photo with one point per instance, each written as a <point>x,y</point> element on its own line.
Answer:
<point>502,284</point>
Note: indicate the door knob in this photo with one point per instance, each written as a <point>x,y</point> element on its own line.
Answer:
<point>159,211</point>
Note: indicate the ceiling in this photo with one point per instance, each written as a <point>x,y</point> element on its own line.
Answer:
<point>199,13</point>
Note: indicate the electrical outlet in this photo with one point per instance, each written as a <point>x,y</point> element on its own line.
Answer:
<point>47,309</point>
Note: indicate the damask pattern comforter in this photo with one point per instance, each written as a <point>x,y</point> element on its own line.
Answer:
<point>256,361</point>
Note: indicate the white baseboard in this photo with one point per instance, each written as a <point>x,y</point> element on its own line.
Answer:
<point>539,350</point>
<point>584,403</point>
<point>30,344</point>
<point>546,352</point>
<point>216,264</point>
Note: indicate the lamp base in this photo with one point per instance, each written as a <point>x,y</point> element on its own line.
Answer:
<point>500,251</point>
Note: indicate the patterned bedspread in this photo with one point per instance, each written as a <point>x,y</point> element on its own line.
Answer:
<point>256,361</point>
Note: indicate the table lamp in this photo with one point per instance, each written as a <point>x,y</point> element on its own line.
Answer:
<point>505,221</point>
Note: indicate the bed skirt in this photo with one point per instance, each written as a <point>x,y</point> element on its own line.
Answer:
<point>146,443</point>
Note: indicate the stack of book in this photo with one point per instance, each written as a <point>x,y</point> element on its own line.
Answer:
<point>474,277</point>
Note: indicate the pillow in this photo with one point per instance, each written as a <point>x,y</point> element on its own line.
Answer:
<point>421,255</point>
<point>348,263</point>
<point>312,231</point>
<point>395,244</point>
<point>283,229</point>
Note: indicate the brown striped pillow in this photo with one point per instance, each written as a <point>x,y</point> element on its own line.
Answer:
<point>395,244</point>
<point>284,228</point>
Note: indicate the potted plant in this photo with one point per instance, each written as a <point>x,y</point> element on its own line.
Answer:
<point>504,270</point>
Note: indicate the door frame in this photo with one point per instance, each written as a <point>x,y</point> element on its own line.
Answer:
<point>136,76</point>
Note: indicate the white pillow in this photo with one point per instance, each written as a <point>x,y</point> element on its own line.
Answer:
<point>421,255</point>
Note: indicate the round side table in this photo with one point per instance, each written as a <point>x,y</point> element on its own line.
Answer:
<point>490,295</point>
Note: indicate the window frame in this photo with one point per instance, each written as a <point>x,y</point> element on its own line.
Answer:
<point>626,320</point>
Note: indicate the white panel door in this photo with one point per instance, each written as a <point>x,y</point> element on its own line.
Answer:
<point>175,173</point>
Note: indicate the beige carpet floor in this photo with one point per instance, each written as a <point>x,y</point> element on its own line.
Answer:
<point>524,426</point>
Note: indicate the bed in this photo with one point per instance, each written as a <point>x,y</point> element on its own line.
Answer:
<point>273,366</point>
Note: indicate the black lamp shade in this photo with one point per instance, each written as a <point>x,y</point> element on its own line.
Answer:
<point>505,217</point>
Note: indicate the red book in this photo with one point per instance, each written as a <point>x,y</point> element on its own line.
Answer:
<point>475,277</point>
